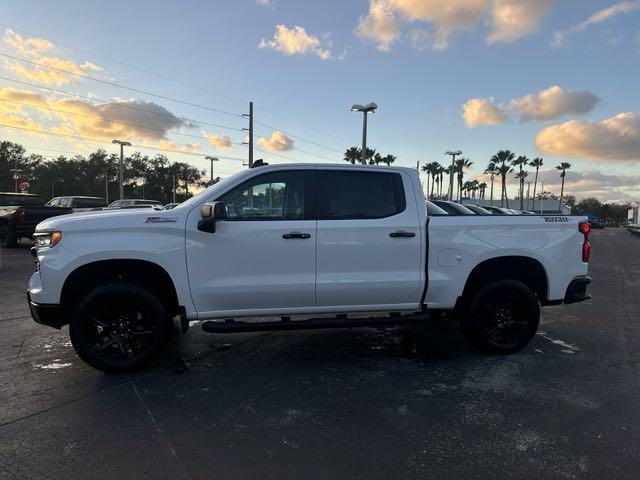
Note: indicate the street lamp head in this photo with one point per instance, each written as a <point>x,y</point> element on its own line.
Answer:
<point>120,142</point>
<point>368,108</point>
<point>456,152</point>
<point>213,159</point>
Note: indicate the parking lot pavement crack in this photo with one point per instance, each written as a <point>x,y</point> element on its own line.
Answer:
<point>55,407</point>
<point>21,346</point>
<point>158,430</point>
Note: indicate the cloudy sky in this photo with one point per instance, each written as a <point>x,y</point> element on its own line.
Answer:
<point>551,78</point>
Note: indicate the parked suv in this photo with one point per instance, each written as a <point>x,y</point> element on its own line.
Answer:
<point>78,203</point>
<point>134,203</point>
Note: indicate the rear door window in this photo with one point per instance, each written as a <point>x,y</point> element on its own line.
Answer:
<point>345,195</point>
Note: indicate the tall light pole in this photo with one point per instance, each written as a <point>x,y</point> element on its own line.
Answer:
<point>368,108</point>
<point>211,160</point>
<point>122,145</point>
<point>453,154</point>
<point>16,173</point>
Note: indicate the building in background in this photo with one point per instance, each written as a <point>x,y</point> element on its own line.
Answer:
<point>634,211</point>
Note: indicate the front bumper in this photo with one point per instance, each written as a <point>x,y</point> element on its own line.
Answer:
<point>47,314</point>
<point>577,290</point>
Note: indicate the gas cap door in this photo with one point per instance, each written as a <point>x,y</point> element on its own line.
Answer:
<point>449,257</point>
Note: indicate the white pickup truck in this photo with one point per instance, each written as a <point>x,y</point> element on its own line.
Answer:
<point>300,240</point>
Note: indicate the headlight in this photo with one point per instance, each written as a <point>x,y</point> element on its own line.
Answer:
<point>46,239</point>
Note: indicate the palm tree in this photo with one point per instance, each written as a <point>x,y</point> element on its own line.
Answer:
<point>388,159</point>
<point>352,155</point>
<point>482,187</point>
<point>520,162</point>
<point>521,176</point>
<point>504,159</point>
<point>448,171</point>
<point>441,171</point>
<point>536,163</point>
<point>425,169</point>
<point>459,166</point>
<point>432,169</point>
<point>563,167</point>
<point>491,170</point>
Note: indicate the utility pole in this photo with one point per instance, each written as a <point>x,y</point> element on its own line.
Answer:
<point>453,161</point>
<point>121,175</point>
<point>106,187</point>
<point>173,198</point>
<point>211,160</point>
<point>250,130</point>
<point>528,192</point>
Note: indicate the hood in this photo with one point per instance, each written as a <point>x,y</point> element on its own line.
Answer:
<point>110,220</point>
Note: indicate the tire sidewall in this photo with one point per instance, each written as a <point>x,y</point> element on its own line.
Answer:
<point>474,332</point>
<point>147,301</point>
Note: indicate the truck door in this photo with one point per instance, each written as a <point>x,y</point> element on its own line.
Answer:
<point>263,256</point>
<point>369,241</point>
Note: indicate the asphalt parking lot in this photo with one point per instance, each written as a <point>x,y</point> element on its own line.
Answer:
<point>363,403</point>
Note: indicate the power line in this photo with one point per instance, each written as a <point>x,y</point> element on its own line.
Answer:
<point>128,65</point>
<point>107,119</point>
<point>80,137</point>
<point>117,85</point>
<point>120,104</point>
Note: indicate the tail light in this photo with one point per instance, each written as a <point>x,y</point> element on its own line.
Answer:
<point>20,215</point>
<point>585,228</point>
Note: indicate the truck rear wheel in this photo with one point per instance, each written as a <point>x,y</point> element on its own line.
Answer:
<point>502,317</point>
<point>119,327</point>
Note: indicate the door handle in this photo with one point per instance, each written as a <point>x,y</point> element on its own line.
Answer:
<point>401,234</point>
<point>290,235</point>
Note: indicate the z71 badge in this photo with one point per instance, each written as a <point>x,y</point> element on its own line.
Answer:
<point>560,219</point>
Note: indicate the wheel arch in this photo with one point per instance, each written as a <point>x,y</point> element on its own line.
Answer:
<point>144,273</point>
<point>528,270</point>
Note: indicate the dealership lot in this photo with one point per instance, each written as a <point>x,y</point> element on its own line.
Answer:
<point>369,403</point>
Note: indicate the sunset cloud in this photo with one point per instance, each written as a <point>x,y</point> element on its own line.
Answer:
<point>592,183</point>
<point>27,46</point>
<point>560,36</point>
<point>133,120</point>
<point>220,141</point>
<point>296,41</point>
<point>548,104</point>
<point>482,111</point>
<point>614,138</point>
<point>513,19</point>
<point>50,70</point>
<point>278,142</point>
<point>509,19</point>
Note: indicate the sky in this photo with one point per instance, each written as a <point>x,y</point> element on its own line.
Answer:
<point>556,79</point>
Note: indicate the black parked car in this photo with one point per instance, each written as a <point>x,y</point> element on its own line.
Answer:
<point>453,208</point>
<point>19,215</point>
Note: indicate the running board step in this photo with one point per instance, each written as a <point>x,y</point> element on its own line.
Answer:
<point>233,326</point>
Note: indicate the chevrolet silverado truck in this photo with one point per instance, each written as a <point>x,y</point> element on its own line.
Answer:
<point>294,243</point>
<point>19,215</point>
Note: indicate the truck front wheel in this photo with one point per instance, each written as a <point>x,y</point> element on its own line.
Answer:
<point>119,327</point>
<point>502,317</point>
